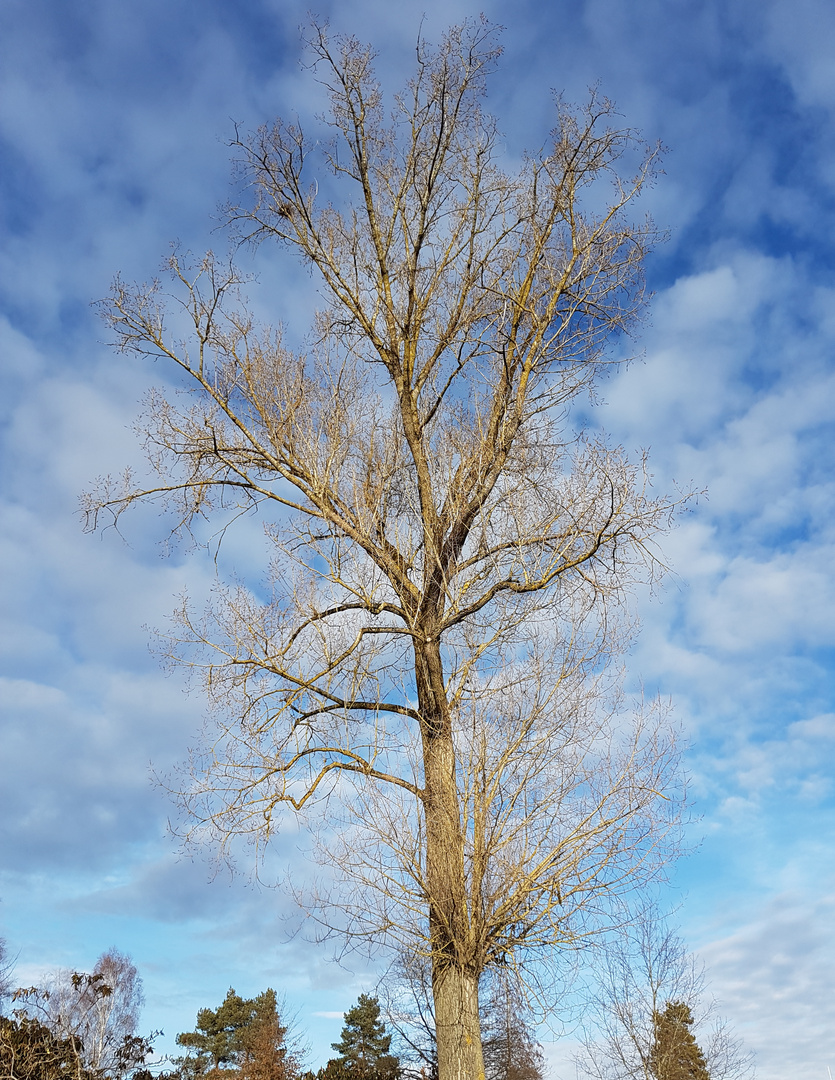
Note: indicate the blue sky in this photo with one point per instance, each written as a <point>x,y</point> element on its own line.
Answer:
<point>114,123</point>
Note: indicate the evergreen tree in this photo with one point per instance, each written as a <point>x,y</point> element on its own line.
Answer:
<point>244,1032</point>
<point>334,1070</point>
<point>675,1053</point>
<point>266,1055</point>
<point>364,1049</point>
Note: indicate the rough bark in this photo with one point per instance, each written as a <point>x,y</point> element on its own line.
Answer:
<point>457,1024</point>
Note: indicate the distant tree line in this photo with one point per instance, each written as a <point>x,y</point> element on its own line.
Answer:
<point>80,1026</point>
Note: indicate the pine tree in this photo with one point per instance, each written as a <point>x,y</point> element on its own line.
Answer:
<point>364,1049</point>
<point>266,1054</point>
<point>241,1031</point>
<point>675,1053</point>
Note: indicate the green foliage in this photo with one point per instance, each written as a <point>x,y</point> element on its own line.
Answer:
<point>334,1070</point>
<point>242,1037</point>
<point>675,1053</point>
<point>364,1049</point>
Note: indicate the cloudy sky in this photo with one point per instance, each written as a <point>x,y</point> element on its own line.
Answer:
<point>114,124</point>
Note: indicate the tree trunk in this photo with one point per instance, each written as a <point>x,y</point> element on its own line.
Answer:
<point>455,965</point>
<point>457,1025</point>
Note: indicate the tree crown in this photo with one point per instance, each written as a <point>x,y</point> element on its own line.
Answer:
<point>364,1048</point>
<point>432,653</point>
<point>226,1034</point>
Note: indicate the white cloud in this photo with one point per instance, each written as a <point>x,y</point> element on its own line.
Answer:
<point>776,978</point>
<point>800,37</point>
<point>114,121</point>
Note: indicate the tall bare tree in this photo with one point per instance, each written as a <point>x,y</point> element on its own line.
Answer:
<point>451,557</point>
<point>78,1026</point>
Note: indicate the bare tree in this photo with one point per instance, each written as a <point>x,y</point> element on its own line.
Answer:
<point>100,1010</point>
<point>650,1008</point>
<point>405,995</point>
<point>511,1049</point>
<point>451,557</point>
<point>6,968</point>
